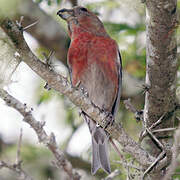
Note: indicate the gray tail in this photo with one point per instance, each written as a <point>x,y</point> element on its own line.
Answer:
<point>100,157</point>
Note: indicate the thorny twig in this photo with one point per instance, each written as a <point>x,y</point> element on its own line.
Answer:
<point>161,155</point>
<point>48,141</point>
<point>19,147</point>
<point>48,61</point>
<point>19,24</point>
<point>148,131</point>
<point>16,167</point>
<point>144,133</point>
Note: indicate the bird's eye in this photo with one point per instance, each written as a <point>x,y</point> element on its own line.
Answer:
<point>83,9</point>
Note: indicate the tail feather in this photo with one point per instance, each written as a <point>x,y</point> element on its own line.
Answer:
<point>100,157</point>
<point>95,158</point>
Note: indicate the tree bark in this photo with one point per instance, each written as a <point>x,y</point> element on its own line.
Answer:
<point>161,67</point>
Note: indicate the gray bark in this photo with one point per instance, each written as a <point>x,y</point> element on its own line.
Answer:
<point>161,68</point>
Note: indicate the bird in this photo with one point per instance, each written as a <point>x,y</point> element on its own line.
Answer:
<point>95,65</point>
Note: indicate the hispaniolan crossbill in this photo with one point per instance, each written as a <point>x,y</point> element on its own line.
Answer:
<point>94,62</point>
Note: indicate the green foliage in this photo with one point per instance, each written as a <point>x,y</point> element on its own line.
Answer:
<point>177,173</point>
<point>94,6</point>
<point>72,116</point>
<point>30,153</point>
<point>49,2</point>
<point>8,8</point>
<point>43,95</point>
<point>115,28</point>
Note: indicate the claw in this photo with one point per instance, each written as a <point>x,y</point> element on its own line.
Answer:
<point>84,91</point>
<point>110,120</point>
<point>46,86</point>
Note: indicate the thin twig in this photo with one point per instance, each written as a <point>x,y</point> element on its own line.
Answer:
<point>155,139</point>
<point>111,176</point>
<point>128,165</point>
<point>148,131</point>
<point>30,25</point>
<point>144,133</point>
<point>48,141</point>
<point>16,168</point>
<point>163,130</point>
<point>161,155</point>
<point>116,149</point>
<point>18,159</point>
<point>129,106</point>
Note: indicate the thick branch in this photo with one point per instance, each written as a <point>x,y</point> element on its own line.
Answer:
<point>161,60</point>
<point>61,84</point>
<point>48,141</point>
<point>161,70</point>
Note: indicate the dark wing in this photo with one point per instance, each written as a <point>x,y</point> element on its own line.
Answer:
<point>116,103</point>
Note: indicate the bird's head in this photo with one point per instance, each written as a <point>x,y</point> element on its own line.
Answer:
<point>80,17</point>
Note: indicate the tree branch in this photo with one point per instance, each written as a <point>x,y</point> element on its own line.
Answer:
<point>161,73</point>
<point>48,141</point>
<point>16,168</point>
<point>161,69</point>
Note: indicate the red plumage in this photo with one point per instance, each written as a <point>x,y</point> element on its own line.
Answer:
<point>95,63</point>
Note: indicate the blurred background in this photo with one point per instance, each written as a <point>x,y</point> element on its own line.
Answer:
<point>124,20</point>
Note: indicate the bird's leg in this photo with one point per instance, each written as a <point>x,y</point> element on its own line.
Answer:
<point>46,86</point>
<point>109,118</point>
<point>84,91</point>
<point>79,86</point>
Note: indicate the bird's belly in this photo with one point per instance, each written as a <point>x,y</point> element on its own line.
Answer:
<point>100,88</point>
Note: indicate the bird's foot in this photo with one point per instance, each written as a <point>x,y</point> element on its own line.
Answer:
<point>109,119</point>
<point>46,86</point>
<point>84,91</point>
